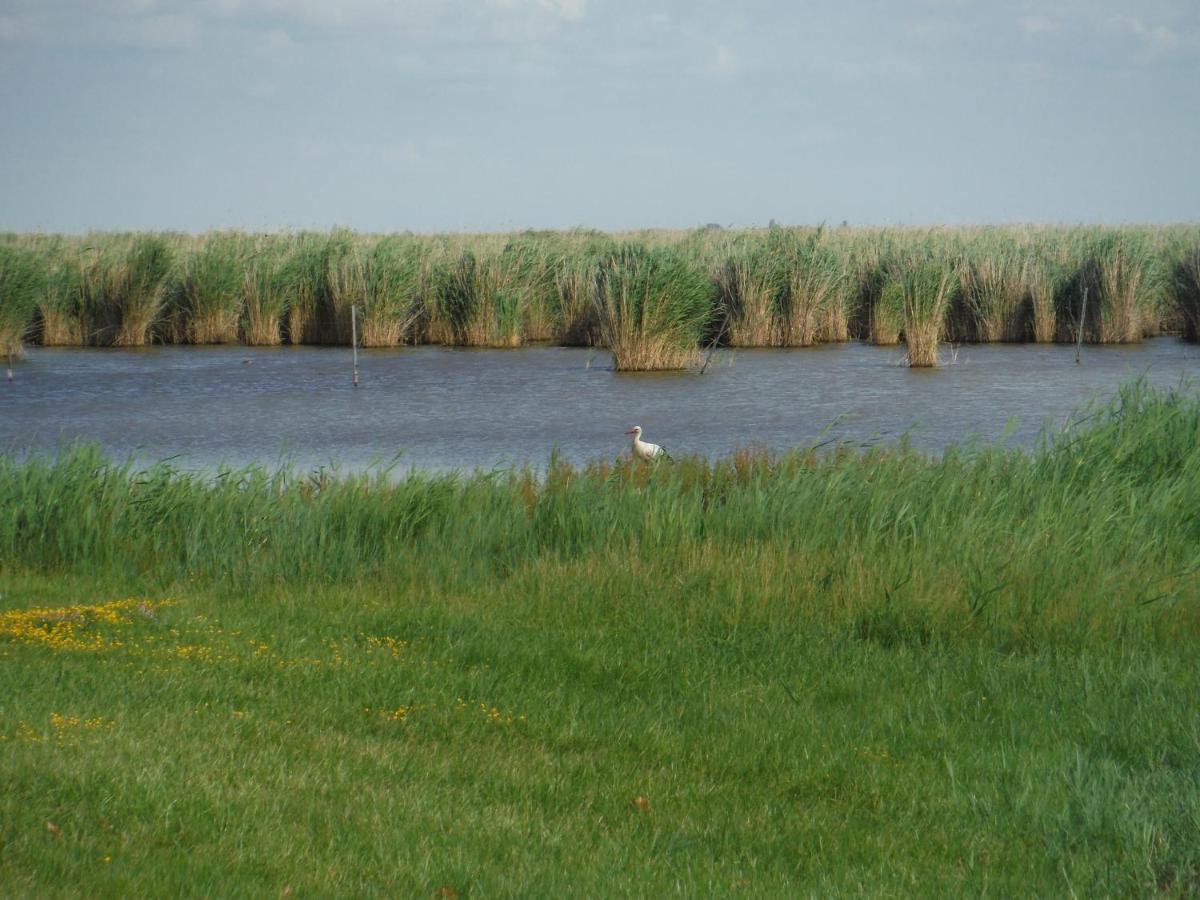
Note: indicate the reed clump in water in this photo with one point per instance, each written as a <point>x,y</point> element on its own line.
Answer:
<point>652,308</point>
<point>211,290</point>
<point>923,286</point>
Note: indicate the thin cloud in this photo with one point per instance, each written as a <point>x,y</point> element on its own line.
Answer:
<point>1157,35</point>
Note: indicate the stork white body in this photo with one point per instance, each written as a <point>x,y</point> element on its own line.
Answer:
<point>644,449</point>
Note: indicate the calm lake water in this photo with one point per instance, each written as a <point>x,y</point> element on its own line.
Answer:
<point>441,408</point>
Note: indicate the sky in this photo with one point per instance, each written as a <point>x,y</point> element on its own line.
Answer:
<point>488,115</point>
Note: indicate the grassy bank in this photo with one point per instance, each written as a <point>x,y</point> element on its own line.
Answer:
<point>870,674</point>
<point>749,288</point>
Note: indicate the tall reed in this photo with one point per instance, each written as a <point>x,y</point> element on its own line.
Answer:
<point>1048,276</point>
<point>923,285</point>
<point>134,288</point>
<point>816,304</point>
<point>392,280</point>
<point>652,308</point>
<point>483,300</point>
<point>1184,289</point>
<point>301,276</point>
<point>751,285</point>
<point>994,298</point>
<point>533,259</point>
<point>22,282</point>
<point>211,290</point>
<point>1116,274</point>
<point>575,281</point>
<point>343,285</point>
<point>60,307</point>
<point>265,293</point>
<point>879,316</point>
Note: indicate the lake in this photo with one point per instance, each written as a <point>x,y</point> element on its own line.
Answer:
<point>445,408</point>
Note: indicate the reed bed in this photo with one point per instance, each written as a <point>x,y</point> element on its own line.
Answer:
<point>766,287</point>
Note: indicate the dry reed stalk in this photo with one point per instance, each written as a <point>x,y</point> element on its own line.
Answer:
<point>834,324</point>
<point>633,353</point>
<point>262,325</point>
<point>213,327</point>
<point>994,294</point>
<point>577,324</point>
<point>60,329</point>
<point>750,292</point>
<point>1042,313</point>
<point>1121,274</point>
<point>886,323</point>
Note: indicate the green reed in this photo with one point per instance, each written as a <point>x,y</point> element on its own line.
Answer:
<point>653,307</point>
<point>752,288</point>
<point>22,282</point>
<point>1184,287</point>
<point>210,292</point>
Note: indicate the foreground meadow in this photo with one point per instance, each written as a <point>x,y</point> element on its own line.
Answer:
<point>843,673</point>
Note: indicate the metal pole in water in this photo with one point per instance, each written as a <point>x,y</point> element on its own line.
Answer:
<point>1082,318</point>
<point>9,349</point>
<point>354,341</point>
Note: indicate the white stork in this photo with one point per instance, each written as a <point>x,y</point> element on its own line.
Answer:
<point>644,449</point>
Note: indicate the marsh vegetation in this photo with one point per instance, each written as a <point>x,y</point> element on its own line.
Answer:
<point>654,298</point>
<point>814,672</point>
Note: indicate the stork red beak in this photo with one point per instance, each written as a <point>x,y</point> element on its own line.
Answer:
<point>630,431</point>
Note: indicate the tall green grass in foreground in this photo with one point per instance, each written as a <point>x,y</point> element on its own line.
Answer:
<point>879,673</point>
<point>652,308</point>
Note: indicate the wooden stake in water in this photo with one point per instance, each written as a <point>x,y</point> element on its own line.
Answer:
<point>9,349</point>
<point>1082,318</point>
<point>354,341</point>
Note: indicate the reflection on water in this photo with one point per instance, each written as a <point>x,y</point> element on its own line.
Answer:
<point>443,408</point>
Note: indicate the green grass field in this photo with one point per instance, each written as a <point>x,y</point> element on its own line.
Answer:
<point>881,674</point>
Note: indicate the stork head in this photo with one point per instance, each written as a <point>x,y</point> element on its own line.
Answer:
<point>636,431</point>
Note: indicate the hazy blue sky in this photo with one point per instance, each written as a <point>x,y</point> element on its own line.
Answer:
<point>500,114</point>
